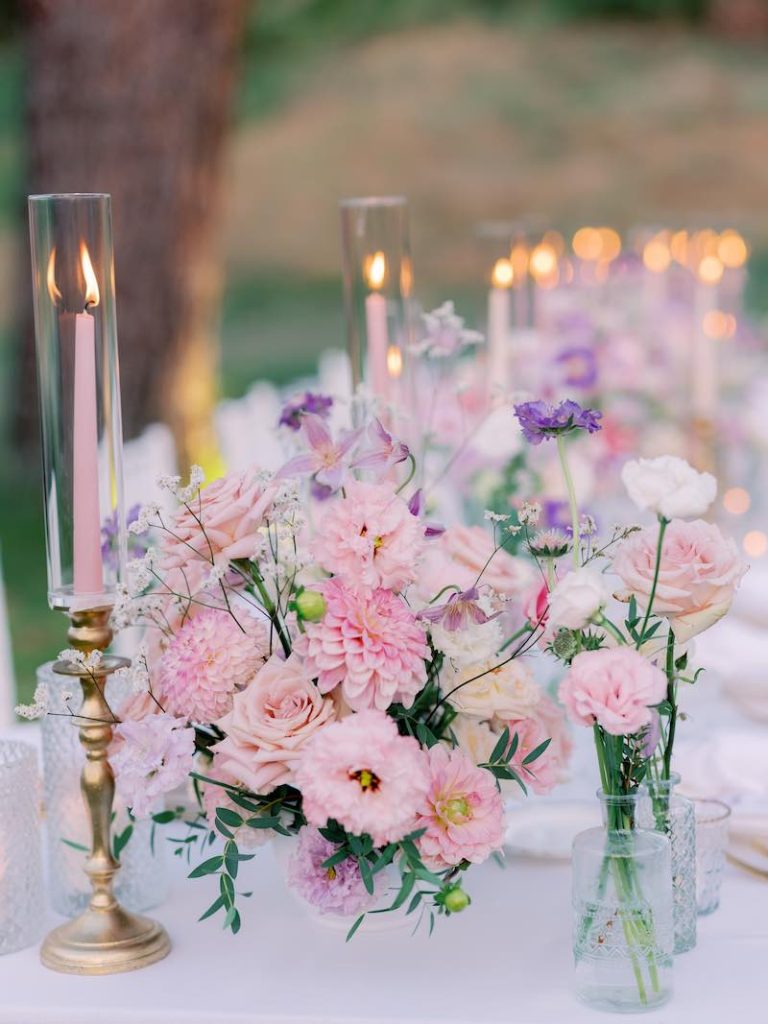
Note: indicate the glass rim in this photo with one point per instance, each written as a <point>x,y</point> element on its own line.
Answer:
<point>617,797</point>
<point>48,196</point>
<point>371,202</point>
<point>725,810</point>
<point>657,784</point>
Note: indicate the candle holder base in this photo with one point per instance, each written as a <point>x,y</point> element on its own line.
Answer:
<point>106,941</point>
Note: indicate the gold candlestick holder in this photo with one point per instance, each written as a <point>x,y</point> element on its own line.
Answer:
<point>105,938</point>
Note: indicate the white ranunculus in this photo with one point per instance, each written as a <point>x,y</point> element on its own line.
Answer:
<point>577,598</point>
<point>669,486</point>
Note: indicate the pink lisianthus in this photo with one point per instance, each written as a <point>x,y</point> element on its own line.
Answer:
<point>365,775</point>
<point>149,759</point>
<point>336,890</point>
<point>370,538</point>
<point>463,813</point>
<point>546,721</point>
<point>615,687</point>
<point>221,524</point>
<point>269,724</point>
<point>210,658</point>
<point>699,573</point>
<point>370,643</point>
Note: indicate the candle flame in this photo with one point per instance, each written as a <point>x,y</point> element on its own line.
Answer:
<point>656,254</point>
<point>503,273</point>
<point>394,361</point>
<point>544,264</point>
<point>375,270</point>
<point>732,250</point>
<point>710,270</point>
<point>50,278</point>
<point>91,284</point>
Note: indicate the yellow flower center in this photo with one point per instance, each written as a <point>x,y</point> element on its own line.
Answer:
<point>456,810</point>
<point>368,780</point>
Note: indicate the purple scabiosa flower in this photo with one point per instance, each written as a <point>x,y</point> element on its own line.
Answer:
<point>137,546</point>
<point>308,404</point>
<point>550,544</point>
<point>380,450</point>
<point>541,421</point>
<point>335,890</point>
<point>579,364</point>
<point>459,610</point>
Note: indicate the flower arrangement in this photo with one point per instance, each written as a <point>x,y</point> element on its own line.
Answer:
<point>332,668</point>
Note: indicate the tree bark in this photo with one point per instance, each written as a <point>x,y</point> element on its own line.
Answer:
<point>132,97</point>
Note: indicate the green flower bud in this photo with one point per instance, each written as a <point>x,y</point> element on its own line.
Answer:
<point>310,605</point>
<point>455,899</point>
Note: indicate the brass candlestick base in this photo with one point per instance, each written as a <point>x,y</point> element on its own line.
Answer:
<point>105,938</point>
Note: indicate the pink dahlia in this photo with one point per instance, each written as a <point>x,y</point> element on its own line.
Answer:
<point>208,660</point>
<point>221,524</point>
<point>336,890</point>
<point>365,775</point>
<point>370,537</point>
<point>269,724</point>
<point>149,759</point>
<point>463,812</point>
<point>371,644</point>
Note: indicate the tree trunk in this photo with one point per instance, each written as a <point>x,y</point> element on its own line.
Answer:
<point>132,97</point>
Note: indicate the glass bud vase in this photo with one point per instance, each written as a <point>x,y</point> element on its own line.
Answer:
<point>674,815</point>
<point>622,902</point>
<point>142,881</point>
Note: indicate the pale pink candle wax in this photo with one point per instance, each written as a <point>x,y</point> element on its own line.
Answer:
<point>378,342</point>
<point>88,576</point>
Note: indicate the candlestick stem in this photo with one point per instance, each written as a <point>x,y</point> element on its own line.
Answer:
<point>105,938</point>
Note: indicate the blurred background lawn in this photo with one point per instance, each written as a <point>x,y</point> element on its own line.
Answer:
<point>574,111</point>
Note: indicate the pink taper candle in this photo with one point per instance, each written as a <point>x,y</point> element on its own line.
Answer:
<point>376,328</point>
<point>88,575</point>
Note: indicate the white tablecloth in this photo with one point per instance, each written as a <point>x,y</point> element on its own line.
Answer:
<point>507,959</point>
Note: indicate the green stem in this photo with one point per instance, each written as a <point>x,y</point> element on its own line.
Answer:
<point>271,611</point>
<point>571,498</point>
<point>410,476</point>
<point>612,629</point>
<point>663,523</point>
<point>672,701</point>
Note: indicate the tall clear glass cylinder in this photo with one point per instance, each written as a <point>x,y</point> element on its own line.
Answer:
<point>378,281</point>
<point>622,902</point>
<point>73,284</point>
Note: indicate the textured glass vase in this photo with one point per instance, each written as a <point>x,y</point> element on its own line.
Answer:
<point>21,879</point>
<point>622,903</point>
<point>674,816</point>
<point>141,882</point>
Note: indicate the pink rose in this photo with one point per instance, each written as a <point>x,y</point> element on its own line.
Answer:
<point>700,570</point>
<point>269,724</point>
<point>461,554</point>
<point>615,687</point>
<point>231,510</point>
<point>546,721</point>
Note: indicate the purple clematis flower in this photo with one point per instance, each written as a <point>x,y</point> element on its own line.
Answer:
<point>580,365</point>
<point>541,421</point>
<point>137,545</point>
<point>416,508</point>
<point>381,451</point>
<point>327,461</point>
<point>460,610</point>
<point>308,404</point>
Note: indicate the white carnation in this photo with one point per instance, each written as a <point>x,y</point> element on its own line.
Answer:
<point>669,487</point>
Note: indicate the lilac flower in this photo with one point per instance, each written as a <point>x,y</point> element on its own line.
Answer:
<point>541,421</point>
<point>109,531</point>
<point>580,365</point>
<point>460,610</point>
<point>335,890</point>
<point>445,333</point>
<point>327,461</point>
<point>381,451</point>
<point>308,404</point>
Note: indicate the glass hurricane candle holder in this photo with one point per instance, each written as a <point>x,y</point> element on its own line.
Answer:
<point>378,279</point>
<point>73,285</point>
<point>21,880</point>
<point>712,824</point>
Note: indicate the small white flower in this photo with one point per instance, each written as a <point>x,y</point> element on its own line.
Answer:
<point>669,487</point>
<point>445,333</point>
<point>494,517</point>
<point>529,513</point>
<point>38,707</point>
<point>578,598</point>
<point>148,516</point>
<point>587,526</point>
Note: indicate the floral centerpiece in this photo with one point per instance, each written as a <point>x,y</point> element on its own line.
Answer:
<point>334,671</point>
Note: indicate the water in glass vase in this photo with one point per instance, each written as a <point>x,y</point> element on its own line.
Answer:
<point>622,902</point>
